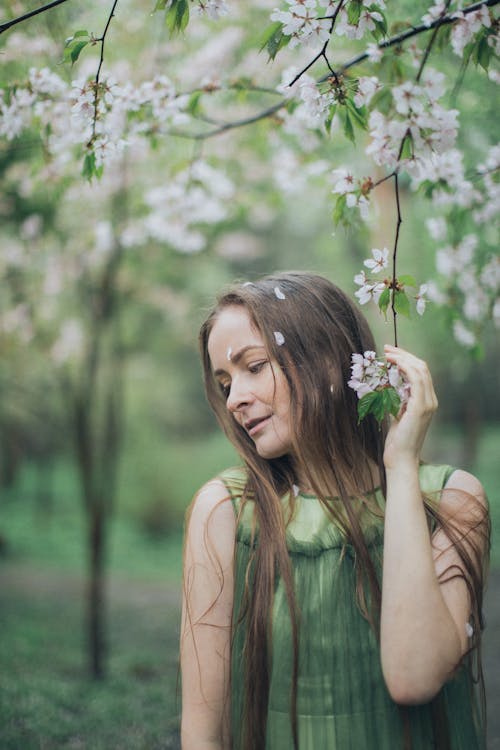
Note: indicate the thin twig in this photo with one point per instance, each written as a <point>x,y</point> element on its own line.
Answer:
<point>394,257</point>
<point>431,44</point>
<point>102,40</point>
<point>322,53</point>
<point>8,24</point>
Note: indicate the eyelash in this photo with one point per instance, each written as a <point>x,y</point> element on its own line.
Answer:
<point>254,369</point>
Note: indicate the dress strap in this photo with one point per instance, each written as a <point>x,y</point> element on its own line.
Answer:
<point>235,480</point>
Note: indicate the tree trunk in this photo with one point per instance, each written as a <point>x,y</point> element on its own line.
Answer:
<point>96,593</point>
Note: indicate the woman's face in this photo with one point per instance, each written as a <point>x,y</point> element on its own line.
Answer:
<point>257,393</point>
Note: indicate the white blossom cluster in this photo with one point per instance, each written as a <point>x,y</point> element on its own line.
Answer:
<point>77,115</point>
<point>308,22</point>
<point>370,289</point>
<point>467,24</point>
<point>304,21</point>
<point>196,196</point>
<point>370,374</point>
<point>418,117</point>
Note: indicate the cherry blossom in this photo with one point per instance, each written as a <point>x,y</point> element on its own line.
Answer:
<point>369,374</point>
<point>379,261</point>
<point>468,25</point>
<point>367,88</point>
<point>302,23</point>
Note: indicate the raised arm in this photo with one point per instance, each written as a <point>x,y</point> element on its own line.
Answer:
<point>206,620</point>
<point>424,613</point>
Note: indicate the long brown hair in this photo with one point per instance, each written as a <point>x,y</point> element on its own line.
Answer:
<point>321,328</point>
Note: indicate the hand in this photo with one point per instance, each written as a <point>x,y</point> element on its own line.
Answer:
<point>407,432</point>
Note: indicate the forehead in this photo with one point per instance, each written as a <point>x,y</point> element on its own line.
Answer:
<point>233,329</point>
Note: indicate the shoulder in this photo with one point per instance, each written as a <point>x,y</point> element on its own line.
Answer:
<point>213,498</point>
<point>210,520</point>
<point>463,480</point>
<point>463,491</point>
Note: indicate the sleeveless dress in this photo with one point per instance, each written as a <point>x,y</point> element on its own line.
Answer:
<point>342,700</point>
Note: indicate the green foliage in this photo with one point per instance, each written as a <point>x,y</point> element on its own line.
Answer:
<point>379,403</point>
<point>385,300</point>
<point>401,303</point>
<point>176,14</point>
<point>273,39</point>
<point>89,168</point>
<point>75,44</point>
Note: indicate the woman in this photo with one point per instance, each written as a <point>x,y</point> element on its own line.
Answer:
<point>332,584</point>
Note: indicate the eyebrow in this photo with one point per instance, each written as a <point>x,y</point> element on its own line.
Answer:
<point>235,358</point>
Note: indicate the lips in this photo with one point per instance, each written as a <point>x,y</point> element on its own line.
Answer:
<point>254,425</point>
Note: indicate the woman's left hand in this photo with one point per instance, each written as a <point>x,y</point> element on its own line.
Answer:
<point>408,430</point>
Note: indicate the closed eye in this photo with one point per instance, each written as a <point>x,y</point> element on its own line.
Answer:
<point>256,367</point>
<point>225,388</point>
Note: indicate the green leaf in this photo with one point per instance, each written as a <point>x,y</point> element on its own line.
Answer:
<point>193,106</point>
<point>274,39</point>
<point>482,53</point>
<point>380,30</point>
<point>348,128</point>
<point>177,16</point>
<point>385,300</point>
<point>366,403</point>
<point>401,303</point>
<point>407,150</point>
<point>160,5</point>
<point>354,12</point>
<point>380,403</point>
<point>81,32</point>
<point>407,280</point>
<point>89,168</point>
<point>329,119</point>
<point>359,116</point>
<point>391,400</point>
<point>75,51</point>
<point>442,39</point>
<point>338,211</point>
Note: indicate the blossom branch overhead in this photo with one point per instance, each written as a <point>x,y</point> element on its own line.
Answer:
<point>394,103</point>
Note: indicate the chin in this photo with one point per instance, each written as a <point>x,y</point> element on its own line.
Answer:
<point>270,452</point>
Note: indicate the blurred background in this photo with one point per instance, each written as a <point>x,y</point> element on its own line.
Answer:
<point>105,434</point>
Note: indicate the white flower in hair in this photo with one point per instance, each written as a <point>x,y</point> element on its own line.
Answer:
<point>279,338</point>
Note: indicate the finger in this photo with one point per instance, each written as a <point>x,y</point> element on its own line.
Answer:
<point>417,373</point>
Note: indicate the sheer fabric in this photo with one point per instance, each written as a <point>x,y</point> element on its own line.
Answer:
<point>343,703</point>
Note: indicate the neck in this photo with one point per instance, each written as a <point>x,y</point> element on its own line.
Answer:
<point>312,481</point>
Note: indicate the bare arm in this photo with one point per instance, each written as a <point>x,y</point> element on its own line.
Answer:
<point>423,619</point>
<point>206,620</point>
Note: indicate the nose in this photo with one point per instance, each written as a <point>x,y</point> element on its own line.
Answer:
<point>239,396</point>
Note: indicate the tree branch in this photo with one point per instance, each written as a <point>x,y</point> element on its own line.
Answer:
<point>8,24</point>
<point>398,39</point>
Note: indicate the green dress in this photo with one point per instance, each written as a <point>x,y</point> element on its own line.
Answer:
<point>342,702</point>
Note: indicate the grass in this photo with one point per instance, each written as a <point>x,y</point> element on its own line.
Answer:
<point>47,701</point>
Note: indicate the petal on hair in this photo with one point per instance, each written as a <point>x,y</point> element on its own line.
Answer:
<point>229,353</point>
<point>248,283</point>
<point>295,489</point>
<point>469,629</point>
<point>279,338</point>
<point>279,294</point>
